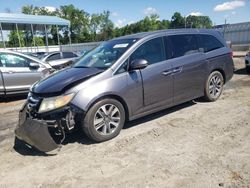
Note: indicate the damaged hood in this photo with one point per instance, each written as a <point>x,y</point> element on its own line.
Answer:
<point>62,80</point>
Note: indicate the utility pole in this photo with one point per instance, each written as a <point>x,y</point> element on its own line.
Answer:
<point>225,27</point>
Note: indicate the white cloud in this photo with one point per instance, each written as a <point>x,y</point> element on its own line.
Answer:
<point>120,23</point>
<point>114,14</point>
<point>150,10</point>
<point>50,9</point>
<point>229,5</point>
<point>195,14</point>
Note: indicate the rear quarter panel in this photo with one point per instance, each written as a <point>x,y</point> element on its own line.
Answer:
<point>221,60</point>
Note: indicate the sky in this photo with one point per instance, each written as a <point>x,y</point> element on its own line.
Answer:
<point>128,11</point>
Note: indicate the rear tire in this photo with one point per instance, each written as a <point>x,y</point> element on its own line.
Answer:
<point>214,86</point>
<point>104,120</point>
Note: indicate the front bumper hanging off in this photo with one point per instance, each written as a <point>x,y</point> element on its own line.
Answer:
<point>34,132</point>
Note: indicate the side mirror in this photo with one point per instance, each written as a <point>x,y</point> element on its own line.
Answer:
<point>138,64</point>
<point>34,65</point>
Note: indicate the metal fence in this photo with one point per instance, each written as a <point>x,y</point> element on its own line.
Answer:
<point>73,47</point>
<point>80,47</point>
<point>238,34</point>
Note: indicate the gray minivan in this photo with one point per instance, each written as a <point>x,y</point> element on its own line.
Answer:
<point>124,79</point>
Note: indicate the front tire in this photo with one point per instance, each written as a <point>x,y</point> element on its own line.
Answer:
<point>104,120</point>
<point>214,86</point>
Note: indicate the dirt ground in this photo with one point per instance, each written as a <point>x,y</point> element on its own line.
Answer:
<point>195,144</point>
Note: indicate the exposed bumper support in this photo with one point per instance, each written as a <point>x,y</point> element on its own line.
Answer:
<point>47,131</point>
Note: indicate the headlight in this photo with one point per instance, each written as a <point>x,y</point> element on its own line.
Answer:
<point>52,103</point>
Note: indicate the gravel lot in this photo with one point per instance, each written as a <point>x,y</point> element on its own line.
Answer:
<point>195,144</point>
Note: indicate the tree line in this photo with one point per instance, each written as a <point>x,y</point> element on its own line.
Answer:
<point>86,27</point>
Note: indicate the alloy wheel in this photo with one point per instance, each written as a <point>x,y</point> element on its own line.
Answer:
<point>107,119</point>
<point>215,86</point>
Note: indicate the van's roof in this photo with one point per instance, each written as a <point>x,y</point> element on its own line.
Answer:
<point>170,31</point>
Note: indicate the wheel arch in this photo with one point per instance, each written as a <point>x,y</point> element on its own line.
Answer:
<point>111,96</point>
<point>222,73</point>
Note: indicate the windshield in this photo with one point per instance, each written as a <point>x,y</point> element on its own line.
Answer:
<point>105,55</point>
<point>41,56</point>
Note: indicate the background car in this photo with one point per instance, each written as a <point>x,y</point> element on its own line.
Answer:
<point>35,54</point>
<point>19,71</point>
<point>83,52</point>
<point>247,61</point>
<point>59,60</point>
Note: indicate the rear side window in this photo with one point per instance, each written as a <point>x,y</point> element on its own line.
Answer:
<point>167,48</point>
<point>54,57</point>
<point>152,51</point>
<point>69,55</point>
<point>183,45</point>
<point>210,43</point>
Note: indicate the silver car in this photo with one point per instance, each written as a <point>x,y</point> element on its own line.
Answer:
<point>18,72</point>
<point>124,79</point>
<point>59,60</point>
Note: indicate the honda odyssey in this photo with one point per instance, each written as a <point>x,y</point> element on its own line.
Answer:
<point>124,79</point>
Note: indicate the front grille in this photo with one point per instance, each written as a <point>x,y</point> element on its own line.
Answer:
<point>33,103</point>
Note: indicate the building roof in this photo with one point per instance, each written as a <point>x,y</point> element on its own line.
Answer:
<point>24,19</point>
<point>244,26</point>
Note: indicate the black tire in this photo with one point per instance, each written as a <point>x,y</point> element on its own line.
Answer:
<point>248,69</point>
<point>211,96</point>
<point>89,128</point>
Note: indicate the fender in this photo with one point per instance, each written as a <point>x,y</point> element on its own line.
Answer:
<point>86,103</point>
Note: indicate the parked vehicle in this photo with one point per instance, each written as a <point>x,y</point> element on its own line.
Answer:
<point>83,52</point>
<point>18,72</point>
<point>40,53</point>
<point>59,60</point>
<point>247,61</point>
<point>35,54</point>
<point>124,79</point>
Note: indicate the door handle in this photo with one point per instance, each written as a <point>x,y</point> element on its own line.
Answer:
<point>177,70</point>
<point>167,72</point>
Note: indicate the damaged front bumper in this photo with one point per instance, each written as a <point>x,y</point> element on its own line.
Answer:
<point>37,133</point>
<point>34,132</point>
